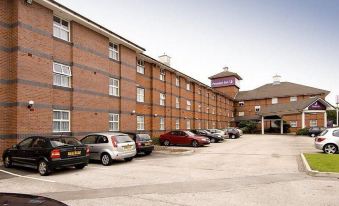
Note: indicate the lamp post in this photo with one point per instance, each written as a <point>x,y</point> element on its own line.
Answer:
<point>337,110</point>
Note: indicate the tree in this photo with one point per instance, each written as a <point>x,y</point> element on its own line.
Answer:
<point>332,116</point>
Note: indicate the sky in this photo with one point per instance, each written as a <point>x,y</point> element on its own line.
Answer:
<point>298,40</point>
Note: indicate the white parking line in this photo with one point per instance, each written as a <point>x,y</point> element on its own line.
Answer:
<point>33,178</point>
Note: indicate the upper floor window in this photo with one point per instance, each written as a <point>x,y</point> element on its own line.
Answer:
<point>188,86</point>
<point>177,123</point>
<point>275,100</point>
<point>207,110</point>
<point>188,107</point>
<point>113,122</point>
<point>293,99</point>
<point>177,102</point>
<point>61,28</point>
<point>162,99</point>
<point>113,51</point>
<point>113,87</point>
<point>162,74</point>
<point>61,121</point>
<point>199,91</point>
<point>199,108</point>
<point>61,75</point>
<point>177,81</point>
<point>140,95</point>
<point>213,111</point>
<point>141,66</point>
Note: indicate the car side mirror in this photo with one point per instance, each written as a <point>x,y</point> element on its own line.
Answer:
<point>15,146</point>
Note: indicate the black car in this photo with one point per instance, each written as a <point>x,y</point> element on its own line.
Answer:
<point>143,142</point>
<point>315,131</point>
<point>232,133</point>
<point>213,137</point>
<point>13,199</point>
<point>47,154</point>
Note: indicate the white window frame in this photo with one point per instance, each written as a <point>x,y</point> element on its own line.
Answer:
<point>140,94</point>
<point>140,66</point>
<point>188,124</point>
<point>199,108</point>
<point>62,74</point>
<point>275,100</point>
<point>140,123</point>
<point>162,123</point>
<point>294,124</point>
<point>60,27</point>
<point>188,86</point>
<point>162,75</point>
<point>257,108</point>
<point>177,81</point>
<point>241,114</point>
<point>113,53</point>
<point>207,110</point>
<point>213,110</point>
<point>62,120</point>
<point>177,123</point>
<point>188,105</point>
<point>114,120</point>
<point>114,88</point>
<point>177,102</point>
<point>162,99</point>
<point>293,99</point>
<point>313,123</point>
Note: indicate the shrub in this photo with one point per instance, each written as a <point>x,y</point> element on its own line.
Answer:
<point>248,127</point>
<point>303,132</point>
<point>156,140</point>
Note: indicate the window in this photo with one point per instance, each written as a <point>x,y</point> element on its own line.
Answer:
<point>113,51</point>
<point>61,75</point>
<point>102,139</point>
<point>199,91</point>
<point>207,125</point>
<point>213,111</point>
<point>257,108</point>
<point>294,124</point>
<point>113,87</point>
<point>188,86</point>
<point>61,121</point>
<point>213,125</point>
<point>162,74</point>
<point>199,108</point>
<point>313,123</point>
<point>141,66</point>
<point>113,122</point>
<point>293,99</point>
<point>140,123</point>
<point>61,28</point>
<point>162,99</point>
<point>274,100</point>
<point>140,95</point>
<point>241,104</point>
<point>177,102</point>
<point>162,123</point>
<point>188,107</point>
<point>26,143</point>
<point>188,124</point>
<point>241,114</point>
<point>177,81</point>
<point>177,123</point>
<point>207,110</point>
<point>336,133</point>
<point>91,139</point>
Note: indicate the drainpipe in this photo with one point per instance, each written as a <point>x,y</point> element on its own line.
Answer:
<point>281,126</point>
<point>262,125</point>
<point>303,120</point>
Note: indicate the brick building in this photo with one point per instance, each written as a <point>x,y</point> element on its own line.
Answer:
<point>61,73</point>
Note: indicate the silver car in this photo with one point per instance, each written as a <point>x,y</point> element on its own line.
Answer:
<point>328,141</point>
<point>110,146</point>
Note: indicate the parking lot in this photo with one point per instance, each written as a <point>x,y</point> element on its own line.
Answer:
<point>252,170</point>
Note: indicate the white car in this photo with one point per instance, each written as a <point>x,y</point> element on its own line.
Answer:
<point>328,141</point>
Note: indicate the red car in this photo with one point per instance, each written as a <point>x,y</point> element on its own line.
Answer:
<point>183,138</point>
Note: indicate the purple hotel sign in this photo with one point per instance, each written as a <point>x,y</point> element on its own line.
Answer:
<point>317,106</point>
<point>225,81</point>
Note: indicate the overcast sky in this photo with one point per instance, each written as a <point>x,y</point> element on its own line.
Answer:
<point>298,40</point>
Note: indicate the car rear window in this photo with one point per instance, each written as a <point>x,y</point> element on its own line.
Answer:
<point>62,141</point>
<point>323,133</point>
<point>144,137</point>
<point>123,139</point>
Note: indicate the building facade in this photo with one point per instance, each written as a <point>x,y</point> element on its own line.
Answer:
<point>61,73</point>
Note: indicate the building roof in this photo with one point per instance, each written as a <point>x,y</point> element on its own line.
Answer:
<point>284,89</point>
<point>225,73</point>
<point>291,107</point>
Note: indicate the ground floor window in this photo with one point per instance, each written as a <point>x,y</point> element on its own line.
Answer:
<point>162,123</point>
<point>188,124</point>
<point>293,124</point>
<point>140,123</point>
<point>313,123</point>
<point>61,121</point>
<point>177,124</point>
<point>113,122</point>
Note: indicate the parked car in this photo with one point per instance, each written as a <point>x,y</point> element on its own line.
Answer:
<point>110,146</point>
<point>213,137</point>
<point>315,131</point>
<point>183,138</point>
<point>15,199</point>
<point>143,142</point>
<point>47,154</point>
<point>328,141</point>
<point>233,132</point>
<point>217,132</point>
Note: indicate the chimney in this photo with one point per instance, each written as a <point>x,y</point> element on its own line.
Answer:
<point>276,79</point>
<point>165,59</point>
<point>225,69</point>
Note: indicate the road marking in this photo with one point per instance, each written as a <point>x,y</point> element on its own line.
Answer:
<point>33,178</point>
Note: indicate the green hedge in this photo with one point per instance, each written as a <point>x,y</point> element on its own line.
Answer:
<point>303,132</point>
<point>156,140</point>
<point>248,127</point>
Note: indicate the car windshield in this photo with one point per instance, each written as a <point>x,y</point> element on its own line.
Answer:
<point>144,137</point>
<point>64,141</point>
<point>189,133</point>
<point>323,133</point>
<point>205,131</point>
<point>123,139</point>
<point>217,131</point>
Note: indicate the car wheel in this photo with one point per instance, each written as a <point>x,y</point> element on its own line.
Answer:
<point>8,162</point>
<point>43,168</point>
<point>330,149</point>
<point>167,143</point>
<point>232,136</point>
<point>81,166</point>
<point>212,140</point>
<point>195,143</point>
<point>128,159</point>
<point>106,159</point>
<point>312,135</point>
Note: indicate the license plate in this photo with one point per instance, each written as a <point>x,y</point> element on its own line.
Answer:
<point>147,143</point>
<point>74,153</point>
<point>127,148</point>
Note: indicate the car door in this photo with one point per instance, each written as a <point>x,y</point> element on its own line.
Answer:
<point>20,155</point>
<point>36,151</point>
<point>101,145</point>
<point>173,137</point>
<point>183,138</point>
<point>336,135</point>
<point>90,141</point>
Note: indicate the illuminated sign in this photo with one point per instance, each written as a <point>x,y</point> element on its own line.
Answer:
<point>317,106</point>
<point>224,82</point>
